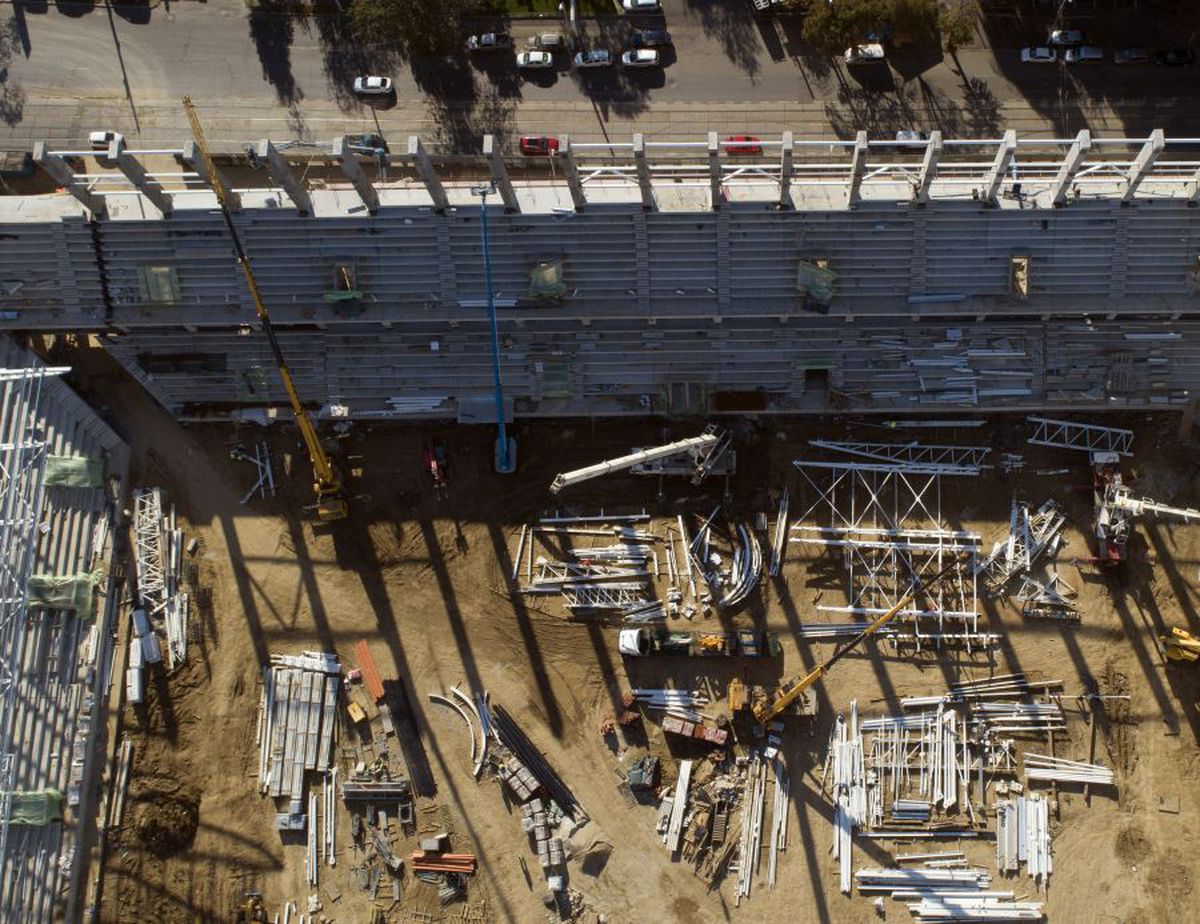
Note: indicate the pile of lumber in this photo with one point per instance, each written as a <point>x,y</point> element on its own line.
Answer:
<point>432,861</point>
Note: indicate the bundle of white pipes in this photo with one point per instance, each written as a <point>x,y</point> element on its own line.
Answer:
<point>1061,770</point>
<point>675,698</point>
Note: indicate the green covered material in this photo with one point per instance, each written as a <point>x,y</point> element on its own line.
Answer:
<point>816,282</point>
<point>546,280</point>
<point>65,592</point>
<point>74,471</point>
<point>37,807</point>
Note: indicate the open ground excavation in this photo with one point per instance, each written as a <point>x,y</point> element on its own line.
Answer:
<point>426,583</point>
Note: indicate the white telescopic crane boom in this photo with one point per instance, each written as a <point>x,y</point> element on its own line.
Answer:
<point>694,444</point>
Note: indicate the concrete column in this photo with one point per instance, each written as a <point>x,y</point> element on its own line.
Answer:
<point>433,183</point>
<point>1145,160</point>
<point>354,173</point>
<point>786,169</point>
<point>191,157</point>
<point>282,174</point>
<point>136,174</point>
<point>1004,158</point>
<point>571,172</point>
<point>500,174</point>
<point>60,171</point>
<point>643,171</point>
<point>714,169</point>
<point>933,152</point>
<point>1070,166</point>
<point>858,166</point>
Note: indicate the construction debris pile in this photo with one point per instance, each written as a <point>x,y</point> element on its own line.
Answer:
<point>161,604</point>
<point>1032,536</point>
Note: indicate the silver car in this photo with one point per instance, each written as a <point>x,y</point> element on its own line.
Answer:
<point>597,57</point>
<point>372,86</point>
<point>640,57</point>
<point>535,60</point>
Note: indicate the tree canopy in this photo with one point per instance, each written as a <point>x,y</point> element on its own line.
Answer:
<point>417,26</point>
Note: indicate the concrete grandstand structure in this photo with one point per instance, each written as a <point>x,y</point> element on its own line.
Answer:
<point>634,277</point>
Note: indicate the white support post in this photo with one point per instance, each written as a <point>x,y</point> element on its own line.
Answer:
<point>192,157</point>
<point>136,174</point>
<point>1069,167</point>
<point>348,161</point>
<point>282,174</point>
<point>714,170</point>
<point>60,171</point>
<point>571,172</point>
<point>1145,160</point>
<point>933,152</point>
<point>500,174</point>
<point>643,171</point>
<point>429,176</point>
<point>1004,158</point>
<point>785,169</point>
<point>858,166</point>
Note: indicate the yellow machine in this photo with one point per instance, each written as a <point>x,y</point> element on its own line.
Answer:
<point>331,500</point>
<point>772,707</point>
<point>1180,645</point>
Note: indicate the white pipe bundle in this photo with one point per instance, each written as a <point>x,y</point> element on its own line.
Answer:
<point>1061,770</point>
<point>663,697</point>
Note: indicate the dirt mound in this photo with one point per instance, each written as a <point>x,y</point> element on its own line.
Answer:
<point>166,822</point>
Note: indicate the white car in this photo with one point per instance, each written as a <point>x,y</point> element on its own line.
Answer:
<point>640,57</point>
<point>597,57</point>
<point>1039,55</point>
<point>372,86</point>
<point>1065,37</point>
<point>535,60</point>
<point>871,53</point>
<point>1083,54</point>
<point>640,6</point>
<point>99,141</point>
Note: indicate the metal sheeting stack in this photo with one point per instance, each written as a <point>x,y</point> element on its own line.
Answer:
<point>296,726</point>
<point>940,894</point>
<point>849,789</point>
<point>1023,836</point>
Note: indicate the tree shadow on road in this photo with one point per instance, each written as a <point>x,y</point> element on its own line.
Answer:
<point>915,105</point>
<point>612,91</point>
<point>272,28</point>
<point>461,126</point>
<point>731,24</point>
<point>345,57</point>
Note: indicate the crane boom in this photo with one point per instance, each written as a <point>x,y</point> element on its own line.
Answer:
<point>331,501</point>
<point>693,444</point>
<point>788,694</point>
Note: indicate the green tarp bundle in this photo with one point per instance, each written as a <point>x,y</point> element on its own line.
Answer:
<point>74,471</point>
<point>546,280</point>
<point>37,807</point>
<point>65,592</point>
<point>816,282</point>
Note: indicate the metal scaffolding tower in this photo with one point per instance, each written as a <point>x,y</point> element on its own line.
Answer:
<point>22,469</point>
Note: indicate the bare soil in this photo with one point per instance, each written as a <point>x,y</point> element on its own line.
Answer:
<point>424,582</point>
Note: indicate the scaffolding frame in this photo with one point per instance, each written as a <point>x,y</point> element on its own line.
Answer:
<point>912,453</point>
<point>888,524</point>
<point>23,452</point>
<point>1066,434</point>
<point>151,569</point>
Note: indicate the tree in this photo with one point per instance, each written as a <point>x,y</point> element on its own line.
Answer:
<point>957,24</point>
<point>831,28</point>
<point>417,26</point>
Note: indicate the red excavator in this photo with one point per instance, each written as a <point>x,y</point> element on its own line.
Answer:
<point>434,460</point>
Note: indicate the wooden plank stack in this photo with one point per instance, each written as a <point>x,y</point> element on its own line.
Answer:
<point>296,729</point>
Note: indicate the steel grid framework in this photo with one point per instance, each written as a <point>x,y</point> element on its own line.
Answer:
<point>23,448</point>
<point>1067,434</point>
<point>888,523</point>
<point>147,531</point>
<point>913,453</point>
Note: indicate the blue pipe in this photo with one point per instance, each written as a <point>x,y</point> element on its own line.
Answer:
<point>497,386</point>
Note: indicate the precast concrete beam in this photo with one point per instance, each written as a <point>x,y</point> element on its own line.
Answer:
<point>348,161</point>
<point>714,169</point>
<point>62,174</point>
<point>933,153</point>
<point>500,174</point>
<point>1145,160</point>
<point>282,174</point>
<point>643,171</point>
<point>192,157</point>
<point>786,169</point>
<point>571,172</point>
<point>136,174</point>
<point>429,176</point>
<point>1069,167</point>
<point>1000,166</point>
<point>858,166</point>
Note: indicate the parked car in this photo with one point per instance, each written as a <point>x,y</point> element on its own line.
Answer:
<point>1084,54</point>
<point>743,145</point>
<point>489,41</point>
<point>372,86</point>
<point>640,57</point>
<point>597,57</point>
<point>367,143</point>
<point>1131,56</point>
<point>651,38</point>
<point>548,41</point>
<point>911,135</point>
<point>538,145</point>
<point>871,53</point>
<point>535,60</point>
<point>1175,57</point>
<point>1063,38</point>
<point>640,6</point>
<point>100,140</point>
<point>1039,55</point>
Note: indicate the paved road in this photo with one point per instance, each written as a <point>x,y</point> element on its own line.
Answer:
<point>67,69</point>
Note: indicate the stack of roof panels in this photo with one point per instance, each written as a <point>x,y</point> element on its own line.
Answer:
<point>299,712</point>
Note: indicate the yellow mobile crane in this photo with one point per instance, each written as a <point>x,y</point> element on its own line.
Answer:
<point>331,499</point>
<point>772,707</point>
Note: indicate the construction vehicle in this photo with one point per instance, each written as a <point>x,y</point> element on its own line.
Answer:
<point>327,484</point>
<point>746,643</point>
<point>1115,508</point>
<point>434,460</point>
<point>696,457</point>
<point>769,708</point>
<point>1180,645</point>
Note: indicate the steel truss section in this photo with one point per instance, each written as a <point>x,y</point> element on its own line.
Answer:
<point>910,453</point>
<point>887,522</point>
<point>1066,434</point>
<point>23,446</point>
<point>147,531</point>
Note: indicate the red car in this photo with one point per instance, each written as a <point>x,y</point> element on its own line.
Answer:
<point>746,145</point>
<point>538,145</point>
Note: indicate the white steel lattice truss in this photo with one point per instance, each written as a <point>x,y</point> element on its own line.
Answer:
<point>888,523</point>
<point>147,531</point>
<point>22,470</point>
<point>969,458</point>
<point>1066,434</point>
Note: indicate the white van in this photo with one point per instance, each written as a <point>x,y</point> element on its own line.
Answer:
<point>1084,54</point>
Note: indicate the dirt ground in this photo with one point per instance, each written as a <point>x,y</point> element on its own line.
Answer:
<point>423,581</point>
